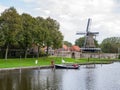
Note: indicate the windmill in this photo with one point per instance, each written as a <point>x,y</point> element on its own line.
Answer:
<point>89,44</point>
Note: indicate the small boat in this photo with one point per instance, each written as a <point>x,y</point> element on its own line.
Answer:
<point>67,66</point>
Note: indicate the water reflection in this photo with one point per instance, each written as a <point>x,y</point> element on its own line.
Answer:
<point>98,78</point>
<point>90,81</point>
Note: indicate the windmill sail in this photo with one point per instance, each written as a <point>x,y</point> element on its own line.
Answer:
<point>88,25</point>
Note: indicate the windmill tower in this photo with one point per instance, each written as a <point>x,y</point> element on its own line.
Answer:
<point>89,44</point>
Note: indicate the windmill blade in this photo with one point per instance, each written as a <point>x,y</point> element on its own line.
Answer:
<point>88,25</point>
<point>80,33</point>
<point>94,33</point>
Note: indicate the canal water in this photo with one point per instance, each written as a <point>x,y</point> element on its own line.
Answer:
<point>100,77</point>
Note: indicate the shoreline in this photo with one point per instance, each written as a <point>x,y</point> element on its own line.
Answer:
<point>29,67</point>
<point>46,67</point>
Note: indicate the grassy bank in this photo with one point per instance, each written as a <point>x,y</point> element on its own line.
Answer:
<point>45,61</point>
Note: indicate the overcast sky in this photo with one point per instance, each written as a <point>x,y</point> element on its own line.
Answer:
<point>73,15</point>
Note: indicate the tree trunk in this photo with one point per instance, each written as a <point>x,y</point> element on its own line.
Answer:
<point>38,52</point>
<point>47,50</point>
<point>25,53</point>
<point>6,52</point>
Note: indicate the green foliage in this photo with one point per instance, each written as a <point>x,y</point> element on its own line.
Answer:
<point>40,32</point>
<point>118,56</point>
<point>81,40</point>
<point>27,31</point>
<point>54,36</point>
<point>68,43</point>
<point>110,45</point>
<point>10,25</point>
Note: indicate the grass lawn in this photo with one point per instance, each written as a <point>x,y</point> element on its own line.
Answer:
<point>45,61</point>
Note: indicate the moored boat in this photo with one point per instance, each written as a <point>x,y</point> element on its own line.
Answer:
<point>67,66</point>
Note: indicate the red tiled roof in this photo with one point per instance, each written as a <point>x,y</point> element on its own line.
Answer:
<point>65,47</point>
<point>75,48</point>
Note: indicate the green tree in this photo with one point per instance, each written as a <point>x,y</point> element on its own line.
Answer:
<point>110,45</point>
<point>68,43</point>
<point>47,33</point>
<point>40,33</point>
<point>26,36</point>
<point>57,39</point>
<point>80,41</point>
<point>54,36</point>
<point>10,25</point>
